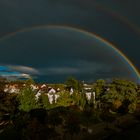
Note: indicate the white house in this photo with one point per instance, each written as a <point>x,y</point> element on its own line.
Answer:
<point>52,90</point>
<point>87,88</point>
<point>6,88</point>
<point>34,87</point>
<point>89,94</point>
<point>58,89</point>
<point>56,96</point>
<point>37,95</point>
<point>11,88</point>
<point>71,91</point>
<point>43,86</point>
<point>51,98</point>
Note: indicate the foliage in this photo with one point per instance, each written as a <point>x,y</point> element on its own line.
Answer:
<point>117,103</point>
<point>29,81</point>
<point>44,102</point>
<point>65,99</point>
<point>82,101</point>
<point>99,88</point>
<point>26,99</point>
<point>132,107</point>
<point>121,93</point>
<point>38,119</point>
<point>75,84</point>
<point>8,103</point>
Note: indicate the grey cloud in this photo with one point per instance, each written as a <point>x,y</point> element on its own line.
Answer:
<point>81,67</point>
<point>15,76</point>
<point>60,71</point>
<point>23,69</point>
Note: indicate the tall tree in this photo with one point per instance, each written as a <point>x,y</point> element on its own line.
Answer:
<point>122,93</point>
<point>74,83</point>
<point>26,99</point>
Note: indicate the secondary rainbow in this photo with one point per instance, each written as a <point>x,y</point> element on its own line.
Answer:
<point>124,57</point>
<point>117,16</point>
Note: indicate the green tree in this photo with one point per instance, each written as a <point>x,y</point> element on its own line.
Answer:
<point>75,84</point>
<point>82,101</point>
<point>26,99</point>
<point>29,81</point>
<point>44,101</point>
<point>121,93</point>
<point>112,98</point>
<point>65,99</point>
<point>99,88</point>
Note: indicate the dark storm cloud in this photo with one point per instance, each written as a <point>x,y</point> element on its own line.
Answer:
<point>81,67</point>
<point>53,44</point>
<point>116,21</point>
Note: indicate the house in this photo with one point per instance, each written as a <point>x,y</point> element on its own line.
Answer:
<point>51,90</point>
<point>43,86</point>
<point>11,88</point>
<point>51,98</point>
<point>87,87</point>
<point>56,96</point>
<point>34,87</point>
<point>58,90</point>
<point>37,95</point>
<point>71,91</point>
<point>89,95</point>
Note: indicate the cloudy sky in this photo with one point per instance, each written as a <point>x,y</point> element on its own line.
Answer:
<point>53,53</point>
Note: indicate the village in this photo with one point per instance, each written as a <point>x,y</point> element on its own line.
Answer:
<point>51,91</point>
<point>119,95</point>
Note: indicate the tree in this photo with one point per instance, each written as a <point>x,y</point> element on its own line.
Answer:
<point>121,93</point>
<point>99,87</point>
<point>29,81</point>
<point>82,101</point>
<point>112,98</point>
<point>65,99</point>
<point>44,101</point>
<point>26,99</point>
<point>75,84</point>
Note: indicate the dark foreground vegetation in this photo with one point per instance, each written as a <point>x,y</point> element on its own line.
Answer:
<point>112,113</point>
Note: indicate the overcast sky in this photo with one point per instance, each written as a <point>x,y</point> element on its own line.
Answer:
<point>74,53</point>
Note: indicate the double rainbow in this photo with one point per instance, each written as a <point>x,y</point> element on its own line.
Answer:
<point>121,54</point>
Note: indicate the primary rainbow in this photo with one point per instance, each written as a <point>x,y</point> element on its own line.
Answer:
<point>123,56</point>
